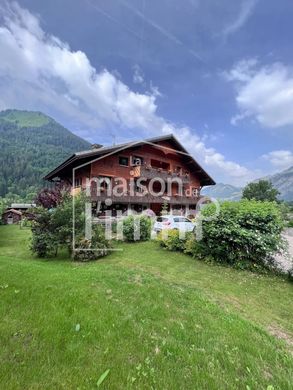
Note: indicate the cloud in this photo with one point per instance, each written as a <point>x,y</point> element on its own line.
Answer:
<point>39,71</point>
<point>229,171</point>
<point>46,69</point>
<point>280,159</point>
<point>263,92</point>
<point>245,12</point>
<point>138,76</point>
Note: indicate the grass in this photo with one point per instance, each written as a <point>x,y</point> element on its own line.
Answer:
<point>26,118</point>
<point>155,319</point>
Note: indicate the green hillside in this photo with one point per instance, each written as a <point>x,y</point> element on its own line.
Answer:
<point>31,144</point>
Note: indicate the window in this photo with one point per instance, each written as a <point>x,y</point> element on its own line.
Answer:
<point>123,161</point>
<point>104,182</point>
<point>78,182</point>
<point>137,160</point>
<point>181,219</point>
<point>162,219</point>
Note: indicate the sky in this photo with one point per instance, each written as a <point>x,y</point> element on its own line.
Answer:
<point>216,74</point>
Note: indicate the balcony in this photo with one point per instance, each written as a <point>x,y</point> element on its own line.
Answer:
<point>151,173</point>
<point>148,198</point>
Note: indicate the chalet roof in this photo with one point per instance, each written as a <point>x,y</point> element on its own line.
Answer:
<point>85,157</point>
<point>22,205</point>
<point>12,211</point>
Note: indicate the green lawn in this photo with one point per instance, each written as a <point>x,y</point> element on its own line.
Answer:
<point>155,319</point>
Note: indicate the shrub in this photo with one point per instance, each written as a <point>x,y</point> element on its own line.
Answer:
<point>52,197</point>
<point>93,249</point>
<point>137,228</point>
<point>171,240</point>
<point>244,234</point>
<point>290,224</point>
<point>191,246</point>
<point>44,244</point>
<point>53,228</point>
<point>290,275</point>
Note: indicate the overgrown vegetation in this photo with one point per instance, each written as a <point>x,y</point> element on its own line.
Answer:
<point>52,229</point>
<point>244,235</point>
<point>170,239</point>
<point>137,228</point>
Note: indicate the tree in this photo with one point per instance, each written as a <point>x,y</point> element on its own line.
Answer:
<point>52,228</point>
<point>262,190</point>
<point>51,197</point>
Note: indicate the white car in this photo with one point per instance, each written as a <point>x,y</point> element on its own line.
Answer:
<point>173,222</point>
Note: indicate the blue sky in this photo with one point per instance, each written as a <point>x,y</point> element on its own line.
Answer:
<point>218,74</point>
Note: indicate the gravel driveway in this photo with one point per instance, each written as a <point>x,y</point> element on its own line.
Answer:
<point>285,260</point>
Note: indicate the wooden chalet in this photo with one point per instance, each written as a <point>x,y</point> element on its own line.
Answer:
<point>158,161</point>
<point>16,212</point>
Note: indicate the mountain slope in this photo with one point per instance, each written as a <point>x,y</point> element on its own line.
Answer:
<point>31,144</point>
<point>223,192</point>
<point>283,181</point>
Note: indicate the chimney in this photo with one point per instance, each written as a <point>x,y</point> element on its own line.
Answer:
<point>96,146</point>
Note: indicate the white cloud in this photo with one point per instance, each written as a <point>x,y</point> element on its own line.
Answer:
<point>263,92</point>
<point>246,9</point>
<point>38,71</point>
<point>138,76</point>
<point>54,74</point>
<point>229,171</point>
<point>280,159</point>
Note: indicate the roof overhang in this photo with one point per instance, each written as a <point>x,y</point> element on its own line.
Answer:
<point>86,157</point>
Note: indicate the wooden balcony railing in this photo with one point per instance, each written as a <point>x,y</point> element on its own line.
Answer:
<point>148,198</point>
<point>151,173</point>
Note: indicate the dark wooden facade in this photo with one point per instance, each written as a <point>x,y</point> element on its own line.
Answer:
<point>160,163</point>
<point>11,216</point>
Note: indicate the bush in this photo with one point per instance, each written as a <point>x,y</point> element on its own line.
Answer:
<point>93,249</point>
<point>290,275</point>
<point>53,229</point>
<point>137,228</point>
<point>244,234</point>
<point>171,240</point>
<point>290,224</point>
<point>44,242</point>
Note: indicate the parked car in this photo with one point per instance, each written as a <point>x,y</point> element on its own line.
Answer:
<point>173,222</point>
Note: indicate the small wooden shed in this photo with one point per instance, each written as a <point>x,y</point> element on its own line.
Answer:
<point>11,216</point>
